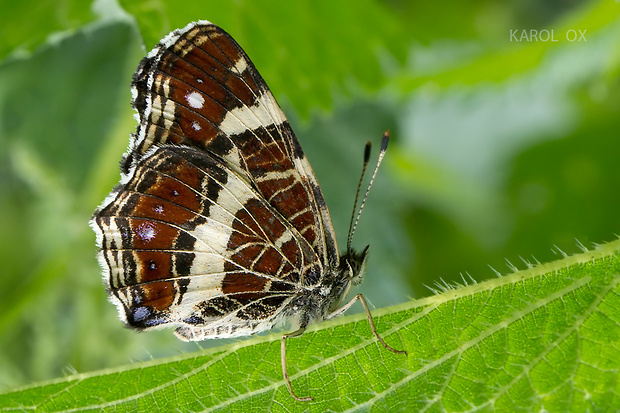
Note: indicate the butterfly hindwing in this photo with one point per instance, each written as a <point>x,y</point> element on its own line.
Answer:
<point>188,242</point>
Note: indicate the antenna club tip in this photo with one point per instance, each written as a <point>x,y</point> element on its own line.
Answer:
<point>385,140</point>
<point>367,152</point>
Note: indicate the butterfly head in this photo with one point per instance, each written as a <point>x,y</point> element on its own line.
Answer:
<point>350,272</point>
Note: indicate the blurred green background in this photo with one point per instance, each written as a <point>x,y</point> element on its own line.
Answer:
<point>505,147</point>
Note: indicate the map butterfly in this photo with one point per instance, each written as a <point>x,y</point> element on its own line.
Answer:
<point>218,226</point>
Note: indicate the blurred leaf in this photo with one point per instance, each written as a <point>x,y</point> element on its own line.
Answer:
<point>509,57</point>
<point>543,338</point>
<point>24,25</point>
<point>89,85</point>
<point>57,110</point>
<point>503,153</point>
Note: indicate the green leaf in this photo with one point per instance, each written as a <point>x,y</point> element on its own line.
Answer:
<point>545,338</point>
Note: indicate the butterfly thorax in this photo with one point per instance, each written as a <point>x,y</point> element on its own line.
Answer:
<point>319,302</point>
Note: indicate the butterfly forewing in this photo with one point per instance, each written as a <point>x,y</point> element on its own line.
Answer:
<point>199,88</point>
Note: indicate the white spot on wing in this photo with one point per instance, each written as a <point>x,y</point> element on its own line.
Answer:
<point>196,125</point>
<point>195,100</point>
<point>146,231</point>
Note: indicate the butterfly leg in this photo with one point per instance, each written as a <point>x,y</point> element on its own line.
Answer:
<point>348,305</point>
<point>284,369</point>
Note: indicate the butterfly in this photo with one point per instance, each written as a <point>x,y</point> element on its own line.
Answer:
<point>218,226</point>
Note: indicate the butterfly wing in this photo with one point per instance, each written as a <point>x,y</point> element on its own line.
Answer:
<point>199,88</point>
<point>186,241</point>
<point>218,220</point>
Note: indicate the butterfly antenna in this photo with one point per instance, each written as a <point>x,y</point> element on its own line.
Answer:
<point>355,217</point>
<point>357,193</point>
